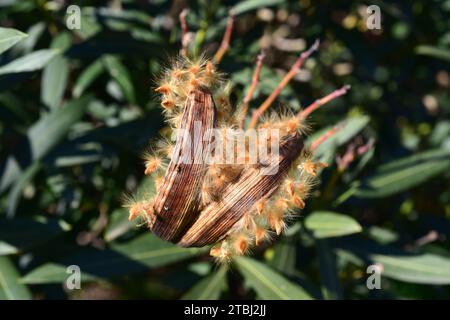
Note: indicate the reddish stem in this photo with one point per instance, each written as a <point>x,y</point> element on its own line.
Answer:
<point>184,32</point>
<point>251,90</point>
<point>266,104</point>
<point>320,102</point>
<point>226,38</point>
<point>325,137</point>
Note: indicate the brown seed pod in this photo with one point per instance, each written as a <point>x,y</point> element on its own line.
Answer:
<point>201,200</point>
<point>177,202</point>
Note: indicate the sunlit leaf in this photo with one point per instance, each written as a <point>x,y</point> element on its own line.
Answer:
<point>324,224</point>
<point>268,283</point>
<point>424,268</point>
<point>433,52</point>
<point>56,73</point>
<point>30,62</point>
<point>9,37</point>
<point>248,5</point>
<point>9,281</point>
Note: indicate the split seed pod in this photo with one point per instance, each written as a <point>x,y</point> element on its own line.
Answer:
<point>233,205</point>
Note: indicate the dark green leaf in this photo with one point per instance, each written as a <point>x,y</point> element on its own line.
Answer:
<point>210,287</point>
<point>120,73</point>
<point>88,76</point>
<point>19,234</point>
<point>43,136</point>
<point>120,259</point>
<point>404,174</point>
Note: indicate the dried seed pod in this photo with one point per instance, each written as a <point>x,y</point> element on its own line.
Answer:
<point>177,203</point>
<point>232,206</point>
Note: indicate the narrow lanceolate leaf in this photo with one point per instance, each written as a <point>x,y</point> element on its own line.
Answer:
<point>177,203</point>
<point>349,128</point>
<point>324,224</point>
<point>403,174</point>
<point>285,257</point>
<point>9,281</point>
<point>238,198</point>
<point>424,268</point>
<point>120,259</point>
<point>120,73</point>
<point>267,283</point>
<point>56,73</point>
<point>42,137</point>
<point>9,37</point>
<point>208,288</point>
<point>434,52</point>
<point>248,5</point>
<point>17,235</point>
<point>30,62</point>
<point>89,74</point>
<point>16,191</point>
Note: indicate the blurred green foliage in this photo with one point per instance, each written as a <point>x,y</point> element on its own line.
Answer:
<point>77,109</point>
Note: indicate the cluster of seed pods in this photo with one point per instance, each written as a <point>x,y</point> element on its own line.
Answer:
<point>220,182</point>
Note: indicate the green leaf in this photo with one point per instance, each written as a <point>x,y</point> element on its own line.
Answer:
<point>268,283</point>
<point>404,174</point>
<point>9,276</point>
<point>209,288</point>
<point>3,295</point>
<point>120,259</point>
<point>87,77</point>
<point>325,224</point>
<point>285,255</point>
<point>9,37</point>
<point>433,52</point>
<point>425,268</point>
<point>248,5</point>
<point>30,62</point>
<point>118,225</point>
<point>16,191</point>
<point>56,73</point>
<point>43,136</point>
<point>350,128</point>
<point>120,73</point>
<point>19,234</point>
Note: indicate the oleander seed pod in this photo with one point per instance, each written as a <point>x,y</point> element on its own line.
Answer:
<point>215,191</point>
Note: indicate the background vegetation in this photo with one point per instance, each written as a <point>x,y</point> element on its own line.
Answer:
<point>77,109</point>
